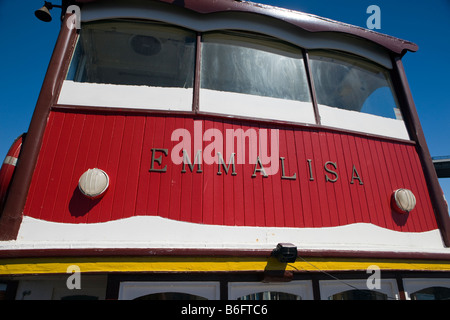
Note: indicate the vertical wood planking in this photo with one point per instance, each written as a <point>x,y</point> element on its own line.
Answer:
<point>209,172</point>
<point>121,145</point>
<point>291,169</point>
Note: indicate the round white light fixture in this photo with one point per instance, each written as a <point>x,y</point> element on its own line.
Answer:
<point>404,200</point>
<point>93,183</point>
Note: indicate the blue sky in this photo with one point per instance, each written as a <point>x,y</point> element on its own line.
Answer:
<point>27,45</point>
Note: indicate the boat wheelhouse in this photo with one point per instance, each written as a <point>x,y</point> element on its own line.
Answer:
<point>222,150</point>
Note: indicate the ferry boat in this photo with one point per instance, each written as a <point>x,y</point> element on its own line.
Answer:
<point>221,150</point>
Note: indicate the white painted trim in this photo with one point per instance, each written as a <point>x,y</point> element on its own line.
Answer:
<point>125,96</point>
<point>10,160</point>
<point>247,105</point>
<point>362,122</point>
<point>157,232</point>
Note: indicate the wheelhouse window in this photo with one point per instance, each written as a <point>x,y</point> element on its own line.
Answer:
<point>355,93</point>
<point>152,65</point>
<point>254,75</point>
<point>134,53</point>
<point>149,65</point>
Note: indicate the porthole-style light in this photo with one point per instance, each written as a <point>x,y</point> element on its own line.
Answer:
<point>403,200</point>
<point>93,183</point>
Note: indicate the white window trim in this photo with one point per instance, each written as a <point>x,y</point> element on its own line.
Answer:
<point>362,122</point>
<point>125,96</point>
<point>252,106</point>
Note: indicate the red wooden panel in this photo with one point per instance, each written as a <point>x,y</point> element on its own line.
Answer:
<point>123,145</point>
<point>373,199</point>
<point>303,177</point>
<point>74,150</point>
<point>209,172</point>
<point>134,170</point>
<point>174,184</point>
<point>228,183</point>
<point>270,215</point>
<point>365,193</point>
<point>338,204</point>
<point>239,188</point>
<point>144,185</point>
<point>218,190</point>
<point>165,185</point>
<point>249,191</point>
<point>35,193</point>
<point>384,180</point>
<point>328,162</point>
<point>123,161</point>
<point>290,163</point>
<point>197,187</point>
<point>316,190</point>
<point>56,168</point>
<point>423,195</point>
<point>279,197</point>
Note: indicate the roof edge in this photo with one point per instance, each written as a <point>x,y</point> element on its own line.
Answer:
<point>306,21</point>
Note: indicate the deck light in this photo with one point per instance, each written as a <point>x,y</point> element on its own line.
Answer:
<point>285,252</point>
<point>43,13</point>
<point>403,200</point>
<point>93,183</point>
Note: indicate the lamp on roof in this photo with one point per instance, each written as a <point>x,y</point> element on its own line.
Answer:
<point>43,13</point>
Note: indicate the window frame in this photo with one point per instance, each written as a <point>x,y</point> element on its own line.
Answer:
<point>195,103</point>
<point>310,119</point>
<point>330,287</point>
<point>412,285</point>
<point>129,290</point>
<point>302,288</point>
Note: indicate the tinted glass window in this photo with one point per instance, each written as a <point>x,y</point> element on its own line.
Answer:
<point>432,293</point>
<point>134,53</point>
<point>170,296</point>
<point>359,295</point>
<point>270,295</point>
<point>254,65</point>
<point>352,83</point>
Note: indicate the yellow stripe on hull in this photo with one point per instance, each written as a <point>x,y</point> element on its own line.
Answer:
<point>207,264</point>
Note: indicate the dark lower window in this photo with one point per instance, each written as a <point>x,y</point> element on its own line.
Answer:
<point>432,293</point>
<point>170,296</point>
<point>359,295</point>
<point>270,295</point>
